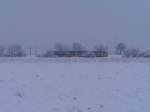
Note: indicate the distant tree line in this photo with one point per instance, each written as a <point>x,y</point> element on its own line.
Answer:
<point>59,50</point>
<point>12,51</point>
<point>75,50</point>
<point>121,49</point>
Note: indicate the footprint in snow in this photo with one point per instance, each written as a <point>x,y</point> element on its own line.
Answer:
<point>18,94</point>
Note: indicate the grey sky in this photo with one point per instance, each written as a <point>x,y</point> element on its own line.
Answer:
<point>91,22</point>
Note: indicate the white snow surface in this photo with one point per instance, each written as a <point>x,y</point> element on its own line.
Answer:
<point>74,85</point>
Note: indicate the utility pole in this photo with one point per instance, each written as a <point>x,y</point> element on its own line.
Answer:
<point>30,51</point>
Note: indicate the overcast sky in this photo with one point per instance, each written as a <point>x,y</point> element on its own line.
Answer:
<point>44,22</point>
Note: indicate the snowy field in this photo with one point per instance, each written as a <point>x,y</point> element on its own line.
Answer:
<point>75,85</point>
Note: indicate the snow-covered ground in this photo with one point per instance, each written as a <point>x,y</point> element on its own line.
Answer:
<point>75,85</point>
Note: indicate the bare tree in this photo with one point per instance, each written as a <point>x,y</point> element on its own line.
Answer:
<point>100,48</point>
<point>61,50</point>
<point>101,51</point>
<point>78,47</point>
<point>120,48</point>
<point>15,51</point>
<point>134,52</point>
<point>49,54</point>
<point>60,47</point>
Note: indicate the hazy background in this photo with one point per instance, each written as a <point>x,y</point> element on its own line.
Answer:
<point>41,23</point>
